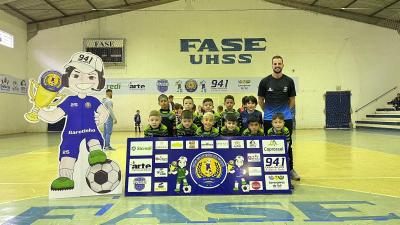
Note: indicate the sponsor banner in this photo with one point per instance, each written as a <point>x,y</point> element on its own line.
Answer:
<point>273,146</point>
<point>12,85</point>
<point>275,164</point>
<point>197,166</point>
<point>184,85</point>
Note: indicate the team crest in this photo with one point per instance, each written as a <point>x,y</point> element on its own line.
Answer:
<point>162,85</point>
<point>191,85</point>
<point>51,80</point>
<point>208,170</point>
<point>88,105</point>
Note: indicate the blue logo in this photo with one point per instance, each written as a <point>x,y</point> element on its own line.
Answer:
<point>140,183</point>
<point>191,85</point>
<point>208,170</point>
<point>51,80</point>
<point>162,85</point>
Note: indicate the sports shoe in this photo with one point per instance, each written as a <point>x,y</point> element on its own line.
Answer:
<point>111,148</point>
<point>62,183</point>
<point>294,175</point>
<point>97,156</point>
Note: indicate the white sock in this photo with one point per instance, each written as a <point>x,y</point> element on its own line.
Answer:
<point>67,173</point>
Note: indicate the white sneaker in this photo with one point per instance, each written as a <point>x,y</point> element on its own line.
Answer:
<point>294,175</point>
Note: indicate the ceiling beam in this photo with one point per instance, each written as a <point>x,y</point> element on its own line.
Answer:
<point>340,13</point>
<point>34,27</point>
<point>351,3</point>
<point>12,8</point>
<point>54,7</point>
<point>380,10</point>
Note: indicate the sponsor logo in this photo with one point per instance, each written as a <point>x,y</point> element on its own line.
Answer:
<point>275,164</point>
<point>160,186</point>
<point>253,143</point>
<point>191,85</point>
<point>219,85</point>
<point>114,86</point>
<point>285,89</point>
<point>273,146</point>
<point>74,105</point>
<point>270,89</point>
<point>161,144</point>
<point>253,157</point>
<point>207,144</point>
<point>140,166</point>
<point>192,144</point>
<point>276,182</point>
<point>176,144</point>
<point>161,158</point>
<point>244,84</point>
<point>161,172</point>
<point>255,171</point>
<point>23,86</point>
<point>136,86</point>
<point>141,148</point>
<point>162,85</point>
<point>139,184</point>
<point>4,85</point>
<point>208,170</point>
<point>222,143</point>
<point>256,185</point>
<point>237,143</point>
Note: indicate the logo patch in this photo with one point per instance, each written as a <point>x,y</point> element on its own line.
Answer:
<point>276,182</point>
<point>222,143</point>
<point>162,85</point>
<point>256,185</point>
<point>160,186</point>
<point>192,144</point>
<point>161,172</point>
<point>208,170</point>
<point>176,144</point>
<point>273,146</point>
<point>191,85</point>
<point>253,143</point>
<point>161,158</point>
<point>141,148</point>
<point>139,184</point>
<point>207,144</point>
<point>140,166</point>
<point>161,144</point>
<point>237,143</point>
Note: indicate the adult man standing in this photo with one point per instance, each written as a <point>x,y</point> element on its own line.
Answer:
<point>276,93</point>
<point>108,125</point>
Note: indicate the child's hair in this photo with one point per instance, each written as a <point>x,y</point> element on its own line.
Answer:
<point>171,96</point>
<point>67,74</point>
<point>178,106</point>
<point>155,113</point>
<point>253,119</point>
<point>138,111</point>
<point>229,97</point>
<point>278,116</point>
<point>220,108</point>
<point>244,100</point>
<point>187,97</point>
<point>230,117</point>
<point>194,108</point>
<point>208,100</point>
<point>208,115</point>
<point>162,96</point>
<point>251,98</point>
<point>186,114</point>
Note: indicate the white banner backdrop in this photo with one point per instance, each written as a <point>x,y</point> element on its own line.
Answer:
<point>12,85</point>
<point>191,85</point>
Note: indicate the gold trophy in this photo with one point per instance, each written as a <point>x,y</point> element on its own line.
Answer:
<point>46,94</point>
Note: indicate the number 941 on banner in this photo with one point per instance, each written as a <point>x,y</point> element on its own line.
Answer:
<point>275,164</point>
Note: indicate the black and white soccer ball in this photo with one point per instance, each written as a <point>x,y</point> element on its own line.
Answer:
<point>246,188</point>
<point>187,189</point>
<point>103,177</point>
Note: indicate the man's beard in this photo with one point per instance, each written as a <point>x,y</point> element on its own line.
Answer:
<point>277,69</point>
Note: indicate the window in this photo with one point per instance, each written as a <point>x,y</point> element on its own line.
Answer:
<point>6,39</point>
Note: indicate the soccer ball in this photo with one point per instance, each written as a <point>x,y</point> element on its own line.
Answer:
<point>187,189</point>
<point>103,177</point>
<point>246,188</point>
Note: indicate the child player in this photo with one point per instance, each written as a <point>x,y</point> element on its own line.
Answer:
<point>187,127</point>
<point>155,127</point>
<point>253,128</point>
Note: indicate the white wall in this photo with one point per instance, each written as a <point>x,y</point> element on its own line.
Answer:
<point>322,52</point>
<point>13,62</point>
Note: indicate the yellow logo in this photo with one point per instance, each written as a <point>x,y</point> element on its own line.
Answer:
<point>53,80</point>
<point>208,167</point>
<point>88,105</point>
<point>272,143</point>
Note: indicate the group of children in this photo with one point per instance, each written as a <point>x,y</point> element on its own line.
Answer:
<point>184,121</point>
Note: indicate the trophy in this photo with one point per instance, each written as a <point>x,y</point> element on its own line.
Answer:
<point>46,95</point>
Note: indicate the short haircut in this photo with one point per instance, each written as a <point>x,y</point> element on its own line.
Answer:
<point>108,90</point>
<point>155,113</point>
<point>230,117</point>
<point>277,57</point>
<point>178,106</point>
<point>186,114</point>
<point>252,99</point>
<point>208,115</point>
<point>208,100</point>
<point>171,96</point>
<point>220,107</point>
<point>244,100</point>
<point>162,96</point>
<point>194,107</point>
<point>229,97</point>
<point>67,74</point>
<point>187,97</point>
<point>253,119</point>
<point>278,116</point>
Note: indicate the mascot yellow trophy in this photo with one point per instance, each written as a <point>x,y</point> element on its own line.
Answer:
<point>44,93</point>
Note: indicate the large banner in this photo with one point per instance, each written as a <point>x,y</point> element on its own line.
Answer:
<point>12,85</point>
<point>190,85</point>
<point>205,166</point>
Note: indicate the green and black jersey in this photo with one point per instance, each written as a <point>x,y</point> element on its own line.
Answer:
<point>168,119</point>
<point>247,132</point>
<point>161,131</point>
<point>226,132</point>
<point>202,133</point>
<point>182,131</point>
<point>217,120</point>
<point>284,132</point>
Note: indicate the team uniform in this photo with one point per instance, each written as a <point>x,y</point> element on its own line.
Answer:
<point>284,132</point>
<point>223,118</point>
<point>79,125</point>
<point>183,131</point>
<point>202,133</point>
<point>226,132</point>
<point>245,116</point>
<point>247,132</point>
<point>138,121</point>
<point>161,131</point>
<point>168,119</point>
